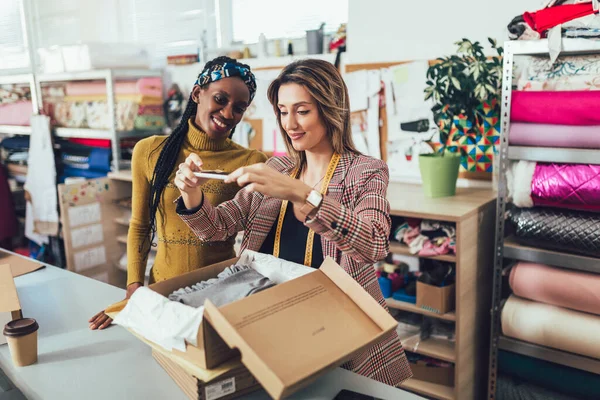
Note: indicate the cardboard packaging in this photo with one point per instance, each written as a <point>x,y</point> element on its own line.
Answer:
<point>10,307</point>
<point>233,384</point>
<point>436,299</point>
<point>288,335</point>
<point>438,375</point>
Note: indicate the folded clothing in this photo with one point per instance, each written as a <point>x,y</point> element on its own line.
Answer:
<point>551,326</point>
<point>426,238</point>
<point>553,228</point>
<point>234,283</point>
<point>559,378</point>
<point>572,186</point>
<point>560,108</point>
<point>151,86</point>
<point>16,113</point>
<point>560,287</point>
<point>546,135</point>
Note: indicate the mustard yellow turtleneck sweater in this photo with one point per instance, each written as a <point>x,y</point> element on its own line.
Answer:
<point>179,250</point>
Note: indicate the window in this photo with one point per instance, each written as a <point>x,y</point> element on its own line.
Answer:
<point>284,18</point>
<point>13,47</point>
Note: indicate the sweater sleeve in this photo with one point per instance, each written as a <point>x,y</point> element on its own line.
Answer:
<point>363,231</point>
<point>137,246</point>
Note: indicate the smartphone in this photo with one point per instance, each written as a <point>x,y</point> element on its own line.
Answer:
<point>350,395</point>
<point>212,175</point>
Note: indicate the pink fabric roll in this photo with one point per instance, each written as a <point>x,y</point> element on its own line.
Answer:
<point>145,86</point>
<point>18,113</point>
<point>560,287</point>
<point>560,108</point>
<point>544,135</point>
<point>574,186</point>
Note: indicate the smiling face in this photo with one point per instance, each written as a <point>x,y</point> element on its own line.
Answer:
<point>300,118</point>
<point>221,106</point>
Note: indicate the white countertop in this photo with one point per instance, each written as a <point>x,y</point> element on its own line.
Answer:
<point>77,363</point>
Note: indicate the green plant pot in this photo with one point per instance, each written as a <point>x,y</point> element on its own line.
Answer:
<point>439,174</point>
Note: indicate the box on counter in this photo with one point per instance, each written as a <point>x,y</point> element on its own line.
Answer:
<point>288,335</point>
<point>232,384</point>
<point>439,300</point>
<point>10,307</point>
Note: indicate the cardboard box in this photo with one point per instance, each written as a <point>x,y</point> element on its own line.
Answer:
<point>19,264</point>
<point>233,384</point>
<point>436,299</point>
<point>290,334</point>
<point>429,373</point>
<point>10,307</point>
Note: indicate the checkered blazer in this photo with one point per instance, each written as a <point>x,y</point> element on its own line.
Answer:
<point>354,225</point>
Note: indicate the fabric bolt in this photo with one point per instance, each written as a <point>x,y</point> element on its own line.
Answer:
<point>541,69</point>
<point>234,283</point>
<point>576,108</point>
<point>577,231</point>
<point>149,86</point>
<point>551,326</point>
<point>179,250</point>
<point>556,377</point>
<point>560,287</point>
<point>17,113</point>
<point>546,135</point>
<point>509,388</point>
<point>354,225</point>
<point>572,186</point>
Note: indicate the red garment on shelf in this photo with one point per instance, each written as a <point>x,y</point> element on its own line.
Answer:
<point>546,18</point>
<point>8,218</point>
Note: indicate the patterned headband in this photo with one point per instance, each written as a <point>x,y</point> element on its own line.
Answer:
<point>226,70</point>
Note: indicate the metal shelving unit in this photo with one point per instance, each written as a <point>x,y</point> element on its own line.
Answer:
<point>507,247</point>
<point>110,76</point>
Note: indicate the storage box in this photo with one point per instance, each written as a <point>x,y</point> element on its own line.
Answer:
<point>436,299</point>
<point>290,334</point>
<point>429,373</point>
<point>233,384</point>
<point>10,307</point>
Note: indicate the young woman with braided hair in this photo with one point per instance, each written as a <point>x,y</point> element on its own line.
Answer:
<point>223,91</point>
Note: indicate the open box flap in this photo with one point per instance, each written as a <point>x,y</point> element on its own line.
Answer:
<point>292,333</point>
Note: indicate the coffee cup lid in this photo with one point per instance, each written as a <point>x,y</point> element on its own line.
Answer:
<point>20,327</point>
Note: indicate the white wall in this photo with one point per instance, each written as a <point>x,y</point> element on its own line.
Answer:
<point>393,30</point>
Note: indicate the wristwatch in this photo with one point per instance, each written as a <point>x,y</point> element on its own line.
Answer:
<point>312,202</point>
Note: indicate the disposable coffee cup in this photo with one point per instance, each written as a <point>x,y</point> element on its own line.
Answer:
<point>21,335</point>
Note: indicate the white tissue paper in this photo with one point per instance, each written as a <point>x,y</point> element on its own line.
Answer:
<point>167,323</point>
<point>170,324</point>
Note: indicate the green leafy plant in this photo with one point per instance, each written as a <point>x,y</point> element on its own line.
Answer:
<point>459,85</point>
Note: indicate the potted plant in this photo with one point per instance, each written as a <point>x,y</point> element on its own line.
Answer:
<point>464,89</point>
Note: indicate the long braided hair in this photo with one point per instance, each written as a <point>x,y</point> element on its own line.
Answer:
<point>170,152</point>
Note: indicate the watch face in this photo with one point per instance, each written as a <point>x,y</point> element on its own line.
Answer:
<point>314,198</point>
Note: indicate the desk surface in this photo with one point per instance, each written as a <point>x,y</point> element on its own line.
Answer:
<point>76,363</point>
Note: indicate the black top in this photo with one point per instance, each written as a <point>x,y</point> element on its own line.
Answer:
<point>294,235</point>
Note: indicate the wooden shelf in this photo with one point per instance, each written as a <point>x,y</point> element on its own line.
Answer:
<point>429,389</point>
<point>408,200</point>
<point>435,348</point>
<point>399,248</point>
<point>404,306</point>
<point>122,221</point>
<point>124,175</point>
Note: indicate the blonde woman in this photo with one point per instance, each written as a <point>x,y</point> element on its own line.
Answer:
<point>324,200</point>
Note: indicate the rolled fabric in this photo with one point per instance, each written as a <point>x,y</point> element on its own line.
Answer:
<point>17,113</point>
<point>554,228</point>
<point>545,135</point>
<point>560,108</point>
<point>560,287</point>
<point>572,186</point>
<point>551,326</point>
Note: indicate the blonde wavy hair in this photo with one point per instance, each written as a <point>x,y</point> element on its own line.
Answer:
<point>326,85</point>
